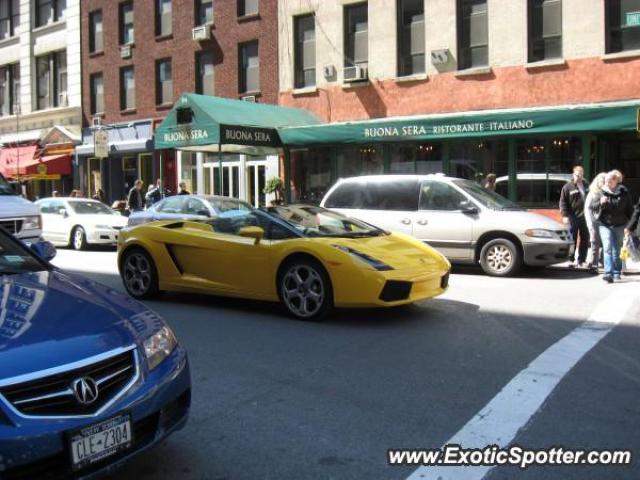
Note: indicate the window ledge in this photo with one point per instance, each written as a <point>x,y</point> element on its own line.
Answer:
<point>471,72</point>
<point>556,62</point>
<point>249,17</point>
<point>9,41</point>
<point>304,91</point>
<point>49,26</point>
<point>347,85</point>
<point>96,54</point>
<point>164,106</point>
<point>127,111</point>
<point>412,78</point>
<point>166,36</point>
<point>252,93</point>
<point>621,55</point>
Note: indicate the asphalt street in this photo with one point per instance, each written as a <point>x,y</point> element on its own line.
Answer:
<point>276,398</point>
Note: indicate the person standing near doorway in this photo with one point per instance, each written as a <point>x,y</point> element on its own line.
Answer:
<point>135,199</point>
<point>183,189</point>
<point>572,199</point>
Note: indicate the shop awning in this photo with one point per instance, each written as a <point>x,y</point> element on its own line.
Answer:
<point>31,165</point>
<point>619,116</point>
<point>201,123</point>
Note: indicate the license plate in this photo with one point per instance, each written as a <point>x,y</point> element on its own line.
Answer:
<point>96,442</point>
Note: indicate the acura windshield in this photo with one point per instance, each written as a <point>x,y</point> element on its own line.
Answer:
<point>14,259</point>
<point>314,221</point>
<point>486,197</point>
<point>88,207</point>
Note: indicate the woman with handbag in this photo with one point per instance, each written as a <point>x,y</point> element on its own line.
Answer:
<point>593,257</point>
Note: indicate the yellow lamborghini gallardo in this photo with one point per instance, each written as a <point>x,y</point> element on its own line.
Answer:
<point>306,257</point>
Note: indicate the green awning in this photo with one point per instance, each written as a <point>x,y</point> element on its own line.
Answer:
<point>238,126</point>
<point>620,116</point>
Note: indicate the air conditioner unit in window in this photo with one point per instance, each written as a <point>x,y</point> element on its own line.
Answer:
<point>329,71</point>
<point>439,57</point>
<point>125,51</point>
<point>355,74</point>
<point>249,98</point>
<point>203,32</point>
<point>63,99</point>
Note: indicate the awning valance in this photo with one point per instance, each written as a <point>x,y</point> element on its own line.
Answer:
<point>200,122</point>
<point>26,162</point>
<point>620,116</point>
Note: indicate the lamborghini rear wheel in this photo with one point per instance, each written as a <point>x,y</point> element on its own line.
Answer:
<point>305,289</point>
<point>139,274</point>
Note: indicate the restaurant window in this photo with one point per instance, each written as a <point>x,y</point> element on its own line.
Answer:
<point>411,44</point>
<point>247,7</point>
<point>421,158</point>
<point>204,73</point>
<point>51,84</point>
<point>96,87</point>
<point>126,23</point>
<point>543,166</point>
<point>360,160</point>
<point>189,171</point>
<point>305,51</point>
<point>310,175</point>
<point>9,89</point>
<point>475,159</point>
<point>249,67</point>
<point>49,11</point>
<point>164,83</point>
<point>127,89</point>
<point>473,43</point>
<point>163,17</point>
<point>204,12</point>
<point>545,29</point>
<point>96,43</point>
<point>9,18</point>
<point>356,35</point>
<point>622,25</point>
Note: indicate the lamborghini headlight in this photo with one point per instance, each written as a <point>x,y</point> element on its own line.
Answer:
<point>540,233</point>
<point>363,257</point>
<point>159,346</point>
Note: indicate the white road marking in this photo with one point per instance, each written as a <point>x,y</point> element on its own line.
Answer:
<point>500,421</point>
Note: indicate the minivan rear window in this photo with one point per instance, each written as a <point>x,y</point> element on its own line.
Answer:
<point>399,195</point>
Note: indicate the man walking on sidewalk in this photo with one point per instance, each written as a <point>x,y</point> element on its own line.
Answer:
<point>572,199</point>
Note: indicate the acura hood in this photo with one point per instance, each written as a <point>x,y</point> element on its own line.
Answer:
<point>49,318</point>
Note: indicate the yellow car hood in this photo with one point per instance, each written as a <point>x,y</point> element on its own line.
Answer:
<point>396,250</point>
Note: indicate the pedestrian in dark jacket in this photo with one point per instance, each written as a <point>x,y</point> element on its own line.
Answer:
<point>572,199</point>
<point>633,223</point>
<point>613,207</point>
<point>135,199</point>
<point>183,189</point>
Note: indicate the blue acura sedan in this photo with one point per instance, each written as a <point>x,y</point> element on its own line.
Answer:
<point>88,376</point>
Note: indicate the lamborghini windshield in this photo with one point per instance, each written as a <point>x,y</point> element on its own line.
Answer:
<point>314,221</point>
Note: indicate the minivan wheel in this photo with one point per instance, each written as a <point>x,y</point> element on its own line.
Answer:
<point>305,290</point>
<point>500,258</point>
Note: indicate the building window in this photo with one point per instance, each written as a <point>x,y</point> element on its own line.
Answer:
<point>127,89</point>
<point>247,7</point>
<point>420,158</point>
<point>164,84</point>
<point>204,73</point>
<point>95,32</point>
<point>49,11</point>
<point>305,51</point>
<point>310,175</point>
<point>545,29</point>
<point>475,159</point>
<point>410,37</point>
<point>96,82</point>
<point>9,18</point>
<point>204,12</point>
<point>473,43</point>
<point>623,25</point>
<point>359,160</point>
<point>356,36</point>
<point>126,23</point>
<point>9,89</point>
<point>51,85</point>
<point>249,67</point>
<point>163,17</point>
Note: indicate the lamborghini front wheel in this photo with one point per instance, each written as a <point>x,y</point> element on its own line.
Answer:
<point>305,289</point>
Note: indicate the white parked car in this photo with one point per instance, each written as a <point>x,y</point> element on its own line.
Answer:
<point>79,222</point>
<point>466,222</point>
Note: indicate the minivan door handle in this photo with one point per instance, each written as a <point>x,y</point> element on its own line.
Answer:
<point>422,221</point>
<point>405,221</point>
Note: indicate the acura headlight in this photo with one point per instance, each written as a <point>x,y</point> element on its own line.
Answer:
<point>540,233</point>
<point>363,257</point>
<point>159,346</point>
<point>32,223</point>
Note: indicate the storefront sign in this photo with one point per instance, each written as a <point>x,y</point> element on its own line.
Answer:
<point>101,143</point>
<point>186,135</point>
<point>52,176</point>
<point>444,129</point>
<point>259,137</point>
<point>632,19</point>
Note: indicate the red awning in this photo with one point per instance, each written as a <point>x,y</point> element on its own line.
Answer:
<point>56,164</point>
<point>29,164</point>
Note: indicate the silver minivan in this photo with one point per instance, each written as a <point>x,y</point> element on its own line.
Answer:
<point>466,222</point>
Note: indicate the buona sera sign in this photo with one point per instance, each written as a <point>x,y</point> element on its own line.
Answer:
<point>447,129</point>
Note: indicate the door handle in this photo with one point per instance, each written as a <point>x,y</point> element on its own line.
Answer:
<point>405,221</point>
<point>422,221</point>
